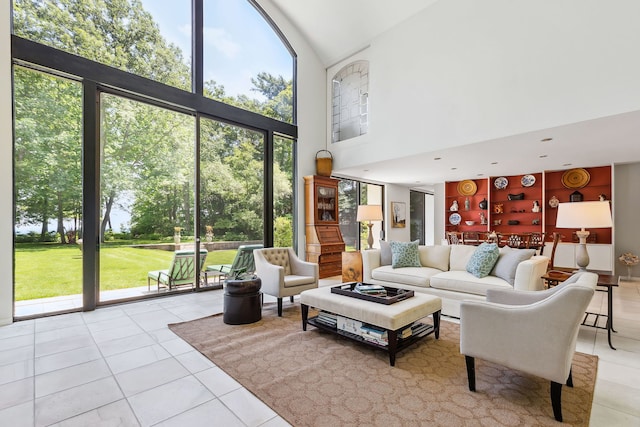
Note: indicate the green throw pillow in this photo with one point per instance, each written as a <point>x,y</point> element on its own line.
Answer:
<point>483,259</point>
<point>405,254</point>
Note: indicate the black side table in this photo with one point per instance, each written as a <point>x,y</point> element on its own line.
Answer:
<point>242,301</point>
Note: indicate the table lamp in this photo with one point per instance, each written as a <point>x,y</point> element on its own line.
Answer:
<point>369,213</point>
<point>583,215</point>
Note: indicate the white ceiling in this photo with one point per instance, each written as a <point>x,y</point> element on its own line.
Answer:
<point>338,28</point>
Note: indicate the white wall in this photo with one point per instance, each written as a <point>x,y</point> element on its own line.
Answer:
<point>626,206</point>
<point>6,165</point>
<point>396,193</point>
<point>464,71</point>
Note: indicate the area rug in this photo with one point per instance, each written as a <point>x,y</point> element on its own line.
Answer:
<point>315,378</point>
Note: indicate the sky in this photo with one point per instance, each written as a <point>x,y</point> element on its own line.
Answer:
<point>238,42</point>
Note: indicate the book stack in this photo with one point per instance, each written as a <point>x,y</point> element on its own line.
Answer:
<point>374,334</point>
<point>405,333</point>
<point>349,325</point>
<point>327,318</point>
<point>374,290</point>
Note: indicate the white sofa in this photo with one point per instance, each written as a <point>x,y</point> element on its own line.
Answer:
<point>443,273</point>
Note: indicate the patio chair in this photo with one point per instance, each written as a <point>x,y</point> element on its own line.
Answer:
<point>243,261</point>
<point>180,272</point>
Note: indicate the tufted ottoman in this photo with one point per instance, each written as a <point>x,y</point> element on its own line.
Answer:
<point>392,318</point>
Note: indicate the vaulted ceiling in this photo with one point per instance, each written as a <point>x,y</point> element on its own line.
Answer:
<point>336,29</point>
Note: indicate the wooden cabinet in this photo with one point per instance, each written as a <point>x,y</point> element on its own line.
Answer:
<point>324,243</point>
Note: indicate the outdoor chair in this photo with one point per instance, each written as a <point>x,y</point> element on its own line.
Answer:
<point>243,261</point>
<point>530,331</point>
<point>180,272</point>
<point>283,274</point>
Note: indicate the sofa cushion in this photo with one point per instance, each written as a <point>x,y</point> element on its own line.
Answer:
<point>508,261</point>
<point>460,255</point>
<point>385,253</point>
<point>415,276</point>
<point>483,259</point>
<point>462,281</point>
<point>404,254</point>
<point>435,256</point>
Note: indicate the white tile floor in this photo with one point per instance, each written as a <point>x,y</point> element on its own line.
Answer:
<point>122,366</point>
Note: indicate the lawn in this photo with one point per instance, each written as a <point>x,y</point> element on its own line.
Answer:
<point>43,270</point>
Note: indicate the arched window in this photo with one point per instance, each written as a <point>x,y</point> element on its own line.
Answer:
<point>350,101</point>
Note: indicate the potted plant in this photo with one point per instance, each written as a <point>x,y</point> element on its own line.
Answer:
<point>629,260</point>
<point>209,233</point>
<point>176,234</point>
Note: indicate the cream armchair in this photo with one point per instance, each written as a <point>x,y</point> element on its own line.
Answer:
<point>283,274</point>
<point>531,331</point>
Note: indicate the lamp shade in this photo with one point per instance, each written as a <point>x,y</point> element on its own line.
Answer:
<point>584,215</point>
<point>369,213</point>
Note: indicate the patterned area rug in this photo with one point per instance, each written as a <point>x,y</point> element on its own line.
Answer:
<point>314,378</point>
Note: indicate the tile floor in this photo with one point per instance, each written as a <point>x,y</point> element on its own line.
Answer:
<point>122,366</point>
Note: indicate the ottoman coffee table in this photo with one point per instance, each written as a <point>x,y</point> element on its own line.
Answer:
<point>392,318</point>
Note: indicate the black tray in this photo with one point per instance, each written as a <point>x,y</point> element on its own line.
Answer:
<point>393,294</point>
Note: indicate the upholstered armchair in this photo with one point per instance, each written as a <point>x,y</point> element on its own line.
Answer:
<point>283,274</point>
<point>531,331</point>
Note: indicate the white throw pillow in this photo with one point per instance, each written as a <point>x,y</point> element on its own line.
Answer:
<point>435,256</point>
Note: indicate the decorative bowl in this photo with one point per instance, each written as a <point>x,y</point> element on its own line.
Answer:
<point>469,222</point>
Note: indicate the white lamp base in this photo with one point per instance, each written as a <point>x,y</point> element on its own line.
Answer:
<point>370,237</point>
<point>582,257</point>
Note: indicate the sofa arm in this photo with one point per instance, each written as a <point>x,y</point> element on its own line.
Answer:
<point>529,274</point>
<point>370,261</point>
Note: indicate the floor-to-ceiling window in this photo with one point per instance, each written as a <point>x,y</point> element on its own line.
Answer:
<point>146,191</point>
<point>421,217</point>
<point>169,154</point>
<point>353,193</point>
<point>48,190</point>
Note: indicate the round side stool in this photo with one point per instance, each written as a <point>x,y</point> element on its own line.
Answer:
<point>242,301</point>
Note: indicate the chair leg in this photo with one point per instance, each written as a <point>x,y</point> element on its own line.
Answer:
<point>471,372</point>
<point>279,307</point>
<point>291,298</point>
<point>570,379</point>
<point>556,400</point>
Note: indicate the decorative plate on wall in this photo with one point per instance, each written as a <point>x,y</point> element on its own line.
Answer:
<point>575,178</point>
<point>501,183</point>
<point>467,188</point>
<point>455,218</point>
<point>528,180</point>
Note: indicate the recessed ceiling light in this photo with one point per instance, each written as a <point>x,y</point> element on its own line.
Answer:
<point>543,156</point>
<point>453,169</point>
<point>437,158</point>
<point>365,170</point>
<point>480,174</point>
<point>494,163</point>
<point>567,164</point>
<point>546,140</point>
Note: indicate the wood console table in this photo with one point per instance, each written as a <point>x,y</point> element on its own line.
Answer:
<point>606,283</point>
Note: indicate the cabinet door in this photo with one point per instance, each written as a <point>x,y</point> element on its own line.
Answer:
<point>326,204</point>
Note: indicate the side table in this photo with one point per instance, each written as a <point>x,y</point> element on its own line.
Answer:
<point>606,283</point>
<point>352,266</point>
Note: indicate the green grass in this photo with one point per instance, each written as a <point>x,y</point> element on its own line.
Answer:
<point>49,270</point>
